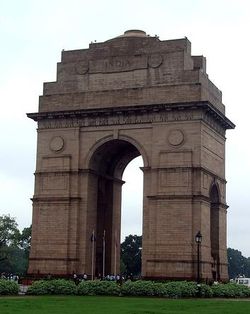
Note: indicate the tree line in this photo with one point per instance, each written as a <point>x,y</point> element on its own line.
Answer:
<point>15,248</point>
<point>238,265</point>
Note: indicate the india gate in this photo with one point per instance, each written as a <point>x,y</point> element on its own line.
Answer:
<point>133,95</point>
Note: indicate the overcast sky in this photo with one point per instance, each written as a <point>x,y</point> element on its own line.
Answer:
<point>32,35</point>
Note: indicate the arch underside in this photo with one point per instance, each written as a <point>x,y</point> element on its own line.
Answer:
<point>107,165</point>
<point>111,158</point>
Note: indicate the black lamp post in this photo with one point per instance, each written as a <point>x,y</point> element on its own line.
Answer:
<point>198,239</point>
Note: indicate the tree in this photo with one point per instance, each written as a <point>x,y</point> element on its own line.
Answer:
<point>238,265</point>
<point>9,233</point>
<point>14,246</point>
<point>131,254</point>
<point>25,239</point>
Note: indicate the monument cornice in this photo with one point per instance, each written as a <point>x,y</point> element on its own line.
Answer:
<point>54,259</point>
<point>55,198</point>
<point>157,113</point>
<point>183,197</point>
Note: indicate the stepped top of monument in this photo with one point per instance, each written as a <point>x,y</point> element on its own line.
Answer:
<point>132,69</point>
<point>132,42</point>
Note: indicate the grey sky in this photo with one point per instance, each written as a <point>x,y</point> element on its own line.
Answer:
<point>32,35</point>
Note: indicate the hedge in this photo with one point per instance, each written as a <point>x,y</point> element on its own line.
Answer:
<point>98,287</point>
<point>139,288</point>
<point>230,290</point>
<point>171,289</point>
<point>56,286</point>
<point>178,289</point>
<point>204,291</point>
<point>8,287</point>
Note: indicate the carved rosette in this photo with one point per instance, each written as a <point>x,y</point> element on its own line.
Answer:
<point>154,61</point>
<point>176,137</point>
<point>56,144</point>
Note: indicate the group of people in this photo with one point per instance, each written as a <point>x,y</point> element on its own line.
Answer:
<point>110,277</point>
<point>78,278</point>
<point>11,277</point>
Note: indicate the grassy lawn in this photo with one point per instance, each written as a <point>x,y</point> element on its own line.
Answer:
<point>118,305</point>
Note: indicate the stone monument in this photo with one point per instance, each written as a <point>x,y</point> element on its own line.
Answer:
<point>128,96</point>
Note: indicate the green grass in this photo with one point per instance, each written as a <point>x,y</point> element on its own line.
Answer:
<point>118,305</point>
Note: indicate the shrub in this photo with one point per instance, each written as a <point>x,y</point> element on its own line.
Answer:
<point>159,289</point>
<point>205,291</point>
<point>84,288</point>
<point>62,286</point>
<point>138,288</point>
<point>172,289</point>
<point>56,286</point>
<point>98,287</point>
<point>39,287</point>
<point>8,287</point>
<point>230,290</point>
<point>178,289</point>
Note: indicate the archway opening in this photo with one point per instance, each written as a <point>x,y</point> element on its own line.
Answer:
<point>107,166</point>
<point>131,219</point>
<point>214,230</point>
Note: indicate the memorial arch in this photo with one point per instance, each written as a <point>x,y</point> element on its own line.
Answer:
<point>131,95</point>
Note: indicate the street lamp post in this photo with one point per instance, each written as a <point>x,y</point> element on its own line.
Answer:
<point>198,239</point>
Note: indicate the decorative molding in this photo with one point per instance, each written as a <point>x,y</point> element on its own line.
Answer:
<point>192,168</point>
<point>52,199</point>
<point>67,259</point>
<point>145,114</point>
<point>180,197</point>
<point>182,261</point>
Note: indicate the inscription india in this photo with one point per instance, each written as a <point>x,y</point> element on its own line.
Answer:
<point>120,64</point>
